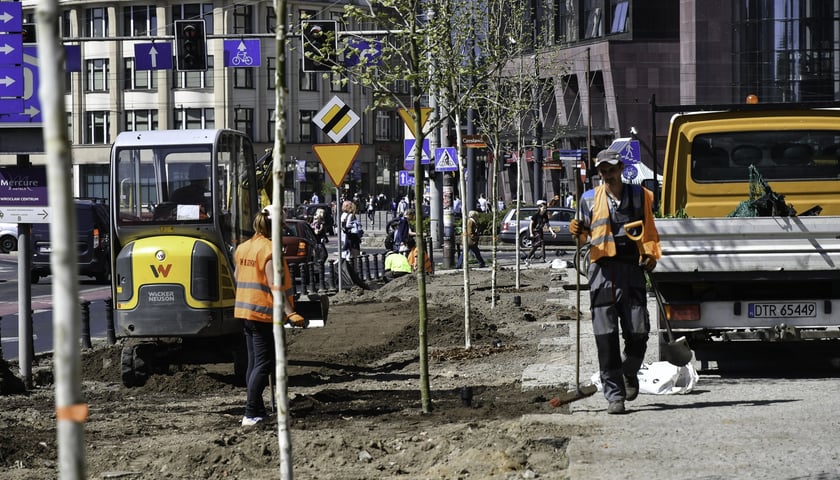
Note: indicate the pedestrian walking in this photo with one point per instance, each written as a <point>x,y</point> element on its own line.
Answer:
<point>616,276</point>
<point>472,241</point>
<point>351,229</point>
<point>536,231</point>
<point>319,225</point>
<point>371,209</point>
<point>404,235</point>
<point>255,307</point>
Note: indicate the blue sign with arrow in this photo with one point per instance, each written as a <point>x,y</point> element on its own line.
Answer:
<point>11,17</point>
<point>11,49</point>
<point>242,53</point>
<point>153,56</point>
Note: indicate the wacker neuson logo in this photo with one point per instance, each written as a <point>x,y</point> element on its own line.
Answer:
<point>161,271</point>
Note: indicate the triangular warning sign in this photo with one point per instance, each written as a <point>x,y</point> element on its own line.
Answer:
<point>337,159</point>
<point>408,118</point>
<point>445,160</point>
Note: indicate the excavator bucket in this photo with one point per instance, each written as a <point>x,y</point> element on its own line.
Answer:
<point>313,308</point>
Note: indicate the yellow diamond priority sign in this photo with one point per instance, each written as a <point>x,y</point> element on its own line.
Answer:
<point>337,159</point>
<point>336,119</point>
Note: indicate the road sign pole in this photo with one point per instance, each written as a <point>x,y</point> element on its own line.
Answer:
<point>25,346</point>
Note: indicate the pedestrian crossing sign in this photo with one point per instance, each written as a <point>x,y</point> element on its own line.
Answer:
<point>446,159</point>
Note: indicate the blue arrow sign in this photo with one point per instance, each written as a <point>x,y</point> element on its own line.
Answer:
<point>28,71</point>
<point>11,82</point>
<point>242,53</point>
<point>11,17</point>
<point>11,49</point>
<point>406,178</point>
<point>153,56</point>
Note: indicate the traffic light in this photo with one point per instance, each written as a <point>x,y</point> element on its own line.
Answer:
<point>28,33</point>
<point>320,45</point>
<point>190,45</point>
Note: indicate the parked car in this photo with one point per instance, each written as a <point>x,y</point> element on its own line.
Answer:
<point>558,221</point>
<point>8,237</point>
<point>300,243</point>
<point>92,240</point>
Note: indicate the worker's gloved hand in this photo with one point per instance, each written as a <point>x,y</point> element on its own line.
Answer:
<point>575,227</point>
<point>296,320</point>
<point>648,263</point>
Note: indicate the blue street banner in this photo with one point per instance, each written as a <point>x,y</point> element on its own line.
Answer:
<point>300,170</point>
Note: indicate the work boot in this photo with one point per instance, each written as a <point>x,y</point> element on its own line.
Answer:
<point>631,387</point>
<point>616,407</point>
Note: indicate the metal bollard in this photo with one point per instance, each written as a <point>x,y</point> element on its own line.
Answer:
<point>109,321</point>
<point>303,271</point>
<point>322,277</point>
<point>333,278</point>
<point>86,324</point>
<point>376,274</point>
<point>367,267</point>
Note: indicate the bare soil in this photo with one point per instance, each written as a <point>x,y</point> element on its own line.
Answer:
<point>355,398</point>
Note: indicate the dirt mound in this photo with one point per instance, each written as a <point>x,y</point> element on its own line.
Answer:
<point>354,398</point>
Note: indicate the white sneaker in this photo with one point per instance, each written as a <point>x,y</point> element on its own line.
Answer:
<point>251,421</point>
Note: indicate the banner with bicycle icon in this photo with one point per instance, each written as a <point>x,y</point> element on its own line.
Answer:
<point>242,53</point>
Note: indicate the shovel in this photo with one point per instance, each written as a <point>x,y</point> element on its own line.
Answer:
<point>676,352</point>
<point>581,390</point>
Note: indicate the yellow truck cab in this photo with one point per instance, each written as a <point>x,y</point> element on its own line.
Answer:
<point>708,155</point>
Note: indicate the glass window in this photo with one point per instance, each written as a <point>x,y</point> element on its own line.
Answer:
<point>593,11</point>
<point>309,80</point>
<point>243,78</point>
<point>194,118</point>
<point>97,75</point>
<point>270,20</point>
<point>66,25</point>
<point>138,79</point>
<point>141,120</point>
<point>139,21</point>
<point>97,128</point>
<point>243,120</point>
<point>94,181</point>
<point>272,124</point>
<point>307,128</point>
<point>243,19</point>
<point>336,83</point>
<point>384,122</point>
<point>619,21</point>
<point>197,79</point>
<point>195,11</point>
<point>271,66</point>
<point>96,22</point>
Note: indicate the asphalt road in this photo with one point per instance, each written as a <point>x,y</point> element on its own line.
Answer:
<point>42,314</point>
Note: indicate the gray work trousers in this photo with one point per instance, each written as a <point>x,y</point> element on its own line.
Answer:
<point>617,297</point>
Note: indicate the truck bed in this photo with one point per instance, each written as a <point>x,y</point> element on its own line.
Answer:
<point>703,247</point>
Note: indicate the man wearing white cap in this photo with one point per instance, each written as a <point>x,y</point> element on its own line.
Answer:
<point>616,275</point>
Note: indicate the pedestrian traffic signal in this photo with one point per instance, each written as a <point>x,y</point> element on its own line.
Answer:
<point>190,45</point>
<point>320,45</point>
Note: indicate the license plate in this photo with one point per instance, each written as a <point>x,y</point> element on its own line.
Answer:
<point>783,310</point>
<point>45,249</point>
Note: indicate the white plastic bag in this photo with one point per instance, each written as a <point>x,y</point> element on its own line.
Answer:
<point>661,378</point>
